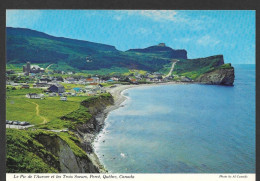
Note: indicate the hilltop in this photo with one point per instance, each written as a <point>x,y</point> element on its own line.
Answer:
<point>37,47</point>
<point>162,50</point>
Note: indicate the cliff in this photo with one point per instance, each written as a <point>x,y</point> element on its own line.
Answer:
<point>70,160</point>
<point>87,130</point>
<point>208,70</point>
<point>50,151</point>
<point>219,76</point>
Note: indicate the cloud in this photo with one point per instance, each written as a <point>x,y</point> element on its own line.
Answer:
<point>207,40</point>
<point>22,18</point>
<point>118,18</point>
<point>157,15</point>
<point>182,19</point>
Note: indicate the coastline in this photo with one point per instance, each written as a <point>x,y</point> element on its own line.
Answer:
<point>119,98</point>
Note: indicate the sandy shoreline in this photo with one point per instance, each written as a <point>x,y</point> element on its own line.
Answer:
<point>119,98</point>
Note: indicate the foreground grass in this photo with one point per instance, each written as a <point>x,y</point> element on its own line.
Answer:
<point>26,152</point>
<point>20,108</point>
<point>51,111</point>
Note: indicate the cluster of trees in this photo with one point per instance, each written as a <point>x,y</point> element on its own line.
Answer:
<point>19,79</point>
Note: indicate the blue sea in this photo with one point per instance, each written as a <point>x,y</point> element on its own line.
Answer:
<point>183,129</point>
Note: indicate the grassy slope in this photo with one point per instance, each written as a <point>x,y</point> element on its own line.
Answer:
<point>26,154</point>
<point>193,68</point>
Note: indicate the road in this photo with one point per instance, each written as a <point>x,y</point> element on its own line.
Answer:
<point>173,64</point>
<point>48,67</point>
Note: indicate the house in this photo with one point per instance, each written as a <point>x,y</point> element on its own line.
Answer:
<point>82,81</point>
<point>53,94</point>
<point>95,79</point>
<point>90,87</point>
<point>63,98</point>
<point>110,80</point>
<point>134,81</point>
<point>70,80</point>
<point>56,88</point>
<point>149,80</point>
<point>41,85</point>
<point>10,71</point>
<point>14,84</point>
<point>25,86</point>
<point>89,80</point>
<point>44,80</point>
<point>34,96</point>
<point>114,78</point>
<point>28,68</point>
<point>93,83</point>
<point>76,89</point>
<point>185,79</point>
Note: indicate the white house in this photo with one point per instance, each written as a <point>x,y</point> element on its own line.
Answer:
<point>34,96</point>
<point>63,98</point>
<point>53,94</point>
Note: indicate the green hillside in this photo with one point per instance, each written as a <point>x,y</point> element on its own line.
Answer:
<point>68,54</point>
<point>193,68</point>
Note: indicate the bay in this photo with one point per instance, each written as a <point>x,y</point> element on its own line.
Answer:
<point>188,128</point>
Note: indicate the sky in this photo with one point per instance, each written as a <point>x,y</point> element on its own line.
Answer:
<point>202,32</point>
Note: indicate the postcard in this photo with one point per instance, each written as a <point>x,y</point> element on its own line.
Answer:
<point>130,94</point>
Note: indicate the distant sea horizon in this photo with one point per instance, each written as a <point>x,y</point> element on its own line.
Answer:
<point>188,128</point>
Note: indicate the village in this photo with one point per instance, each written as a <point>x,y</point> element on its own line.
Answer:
<point>34,83</point>
<point>34,76</point>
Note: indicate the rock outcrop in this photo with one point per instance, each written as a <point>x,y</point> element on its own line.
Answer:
<point>220,76</point>
<point>91,128</point>
<point>68,161</point>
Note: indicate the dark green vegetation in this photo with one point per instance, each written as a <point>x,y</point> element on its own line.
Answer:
<point>193,68</point>
<point>27,151</point>
<point>68,54</point>
<point>90,58</point>
<point>162,51</point>
<point>25,154</point>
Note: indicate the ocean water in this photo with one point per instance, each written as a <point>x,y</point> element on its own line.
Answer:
<point>183,129</point>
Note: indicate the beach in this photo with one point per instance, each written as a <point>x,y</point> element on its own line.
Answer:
<point>119,98</point>
<point>116,92</point>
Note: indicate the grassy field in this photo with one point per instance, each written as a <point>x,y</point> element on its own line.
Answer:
<point>50,109</point>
